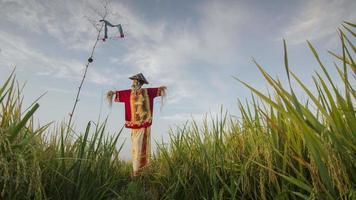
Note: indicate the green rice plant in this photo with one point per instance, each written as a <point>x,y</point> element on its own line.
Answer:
<point>91,170</point>
<point>20,174</point>
<point>280,148</point>
<point>48,163</point>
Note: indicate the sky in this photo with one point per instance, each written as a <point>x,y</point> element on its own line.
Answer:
<point>195,48</point>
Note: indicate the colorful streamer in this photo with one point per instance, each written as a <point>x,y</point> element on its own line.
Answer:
<point>107,23</point>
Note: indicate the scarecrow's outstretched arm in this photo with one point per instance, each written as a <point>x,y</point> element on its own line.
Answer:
<point>120,96</point>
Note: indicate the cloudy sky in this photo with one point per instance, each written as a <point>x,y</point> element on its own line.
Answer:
<point>193,47</point>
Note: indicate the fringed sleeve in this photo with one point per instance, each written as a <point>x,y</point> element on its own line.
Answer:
<point>109,97</point>
<point>162,91</point>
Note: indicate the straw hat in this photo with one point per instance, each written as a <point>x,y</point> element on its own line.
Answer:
<point>139,77</point>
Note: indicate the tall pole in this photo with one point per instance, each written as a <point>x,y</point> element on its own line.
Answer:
<point>90,60</point>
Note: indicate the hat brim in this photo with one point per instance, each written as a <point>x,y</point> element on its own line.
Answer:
<point>141,80</point>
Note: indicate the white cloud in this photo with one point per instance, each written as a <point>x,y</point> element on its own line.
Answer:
<point>158,49</point>
<point>63,20</point>
<point>16,51</point>
<point>69,92</point>
<point>318,19</point>
<point>169,53</point>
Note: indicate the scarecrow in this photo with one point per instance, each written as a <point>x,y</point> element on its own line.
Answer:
<point>138,117</point>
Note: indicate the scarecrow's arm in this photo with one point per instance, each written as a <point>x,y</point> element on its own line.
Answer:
<point>120,96</point>
<point>155,92</point>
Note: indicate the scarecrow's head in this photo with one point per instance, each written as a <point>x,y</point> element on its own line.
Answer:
<point>138,81</point>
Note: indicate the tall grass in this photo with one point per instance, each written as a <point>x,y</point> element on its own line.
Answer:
<point>281,148</point>
<point>19,166</point>
<point>47,163</point>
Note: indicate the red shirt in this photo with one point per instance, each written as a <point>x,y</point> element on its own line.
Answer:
<point>138,106</point>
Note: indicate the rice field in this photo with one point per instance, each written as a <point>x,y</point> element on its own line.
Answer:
<point>280,148</point>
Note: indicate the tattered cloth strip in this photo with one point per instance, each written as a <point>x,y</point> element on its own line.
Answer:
<point>107,23</point>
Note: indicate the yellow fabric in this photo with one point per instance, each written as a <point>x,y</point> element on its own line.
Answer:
<point>140,148</point>
<point>140,107</point>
